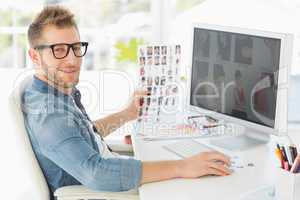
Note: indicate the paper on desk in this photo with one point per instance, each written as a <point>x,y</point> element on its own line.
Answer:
<point>181,131</point>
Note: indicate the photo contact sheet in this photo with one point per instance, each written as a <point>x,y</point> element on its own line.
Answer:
<point>158,74</point>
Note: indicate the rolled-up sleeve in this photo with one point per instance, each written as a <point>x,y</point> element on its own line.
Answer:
<point>60,140</point>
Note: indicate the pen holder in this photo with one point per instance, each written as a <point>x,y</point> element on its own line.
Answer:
<point>287,185</point>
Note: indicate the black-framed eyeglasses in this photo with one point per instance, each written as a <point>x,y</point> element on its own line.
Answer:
<point>61,50</point>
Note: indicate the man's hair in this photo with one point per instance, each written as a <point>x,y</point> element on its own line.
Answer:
<point>50,15</point>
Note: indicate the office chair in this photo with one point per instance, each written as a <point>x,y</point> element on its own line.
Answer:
<point>38,186</point>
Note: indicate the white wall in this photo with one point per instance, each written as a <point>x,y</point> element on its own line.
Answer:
<point>267,15</point>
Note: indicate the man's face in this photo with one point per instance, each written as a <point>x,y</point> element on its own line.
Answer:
<point>61,72</point>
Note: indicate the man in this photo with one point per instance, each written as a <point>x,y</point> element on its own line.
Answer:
<point>61,133</point>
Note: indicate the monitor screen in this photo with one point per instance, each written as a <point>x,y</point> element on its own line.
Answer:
<point>235,74</point>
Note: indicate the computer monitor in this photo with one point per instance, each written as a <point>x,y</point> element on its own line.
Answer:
<point>241,76</point>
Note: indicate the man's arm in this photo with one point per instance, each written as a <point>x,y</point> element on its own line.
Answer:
<point>107,125</point>
<point>61,141</point>
<point>208,163</point>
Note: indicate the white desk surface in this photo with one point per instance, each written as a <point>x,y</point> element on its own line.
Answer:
<point>207,188</point>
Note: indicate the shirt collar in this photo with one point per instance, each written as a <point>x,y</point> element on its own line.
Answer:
<point>44,87</point>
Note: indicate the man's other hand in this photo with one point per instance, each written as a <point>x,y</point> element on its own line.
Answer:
<point>132,110</point>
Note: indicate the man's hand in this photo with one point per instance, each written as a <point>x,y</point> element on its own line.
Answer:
<point>132,111</point>
<point>112,122</point>
<point>207,163</point>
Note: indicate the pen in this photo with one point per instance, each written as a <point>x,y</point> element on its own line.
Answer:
<point>206,116</point>
<point>286,165</point>
<point>279,156</point>
<point>277,145</point>
<point>294,152</point>
<point>213,126</point>
<point>211,118</point>
<point>283,153</point>
<point>295,165</point>
<point>288,155</point>
<point>195,116</point>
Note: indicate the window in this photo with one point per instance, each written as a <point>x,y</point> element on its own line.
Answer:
<point>113,28</point>
<point>182,6</point>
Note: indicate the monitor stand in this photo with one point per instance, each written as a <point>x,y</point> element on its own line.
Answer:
<point>241,139</point>
<point>248,139</point>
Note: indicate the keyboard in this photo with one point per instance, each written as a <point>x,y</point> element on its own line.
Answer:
<point>186,148</point>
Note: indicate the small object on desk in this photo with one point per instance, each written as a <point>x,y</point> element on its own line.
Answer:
<point>195,116</point>
<point>203,121</point>
<point>250,165</point>
<point>279,155</point>
<point>240,167</point>
<point>211,119</point>
<point>203,116</point>
<point>288,157</point>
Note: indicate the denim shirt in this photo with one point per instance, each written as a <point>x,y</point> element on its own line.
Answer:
<point>65,145</point>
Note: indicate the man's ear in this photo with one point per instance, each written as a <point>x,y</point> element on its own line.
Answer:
<point>34,56</point>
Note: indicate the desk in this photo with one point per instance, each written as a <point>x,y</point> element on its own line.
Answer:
<point>207,188</point>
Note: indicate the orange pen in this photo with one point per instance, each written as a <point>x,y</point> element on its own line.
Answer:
<point>280,157</point>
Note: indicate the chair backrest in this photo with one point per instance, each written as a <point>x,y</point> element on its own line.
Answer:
<point>38,186</point>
